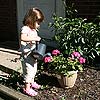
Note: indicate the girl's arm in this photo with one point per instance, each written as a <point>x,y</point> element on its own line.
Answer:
<point>27,37</point>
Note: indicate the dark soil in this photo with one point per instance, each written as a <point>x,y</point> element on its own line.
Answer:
<point>87,86</point>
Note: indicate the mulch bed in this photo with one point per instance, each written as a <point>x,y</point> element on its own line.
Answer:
<point>87,87</point>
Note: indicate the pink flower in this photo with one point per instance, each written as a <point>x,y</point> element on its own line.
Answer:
<point>47,59</point>
<point>55,52</point>
<point>76,54</point>
<point>82,60</point>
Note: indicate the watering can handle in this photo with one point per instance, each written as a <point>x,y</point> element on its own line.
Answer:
<point>37,45</point>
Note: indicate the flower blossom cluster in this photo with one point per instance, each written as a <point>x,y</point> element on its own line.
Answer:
<point>74,55</point>
<point>78,56</point>
<point>55,52</point>
<point>49,58</point>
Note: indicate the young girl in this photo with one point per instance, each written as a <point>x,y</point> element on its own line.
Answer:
<point>28,37</point>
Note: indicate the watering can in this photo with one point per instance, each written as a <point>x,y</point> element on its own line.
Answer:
<point>39,51</point>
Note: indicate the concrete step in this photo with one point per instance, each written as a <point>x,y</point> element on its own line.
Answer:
<point>7,60</point>
<point>7,66</point>
<point>10,94</point>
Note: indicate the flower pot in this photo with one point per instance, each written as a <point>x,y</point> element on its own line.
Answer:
<point>67,81</point>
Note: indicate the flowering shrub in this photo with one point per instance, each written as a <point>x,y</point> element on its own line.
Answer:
<point>59,63</point>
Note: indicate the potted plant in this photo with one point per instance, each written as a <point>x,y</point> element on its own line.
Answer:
<point>64,66</point>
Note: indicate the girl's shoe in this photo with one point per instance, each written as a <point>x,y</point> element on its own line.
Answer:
<point>35,85</point>
<point>30,92</point>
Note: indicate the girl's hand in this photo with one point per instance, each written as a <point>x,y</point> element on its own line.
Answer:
<point>38,38</point>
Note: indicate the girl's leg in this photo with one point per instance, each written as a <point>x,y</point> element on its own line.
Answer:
<point>28,75</point>
<point>34,72</point>
<point>34,84</point>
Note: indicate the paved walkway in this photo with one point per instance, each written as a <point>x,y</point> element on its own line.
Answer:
<point>7,65</point>
<point>7,60</point>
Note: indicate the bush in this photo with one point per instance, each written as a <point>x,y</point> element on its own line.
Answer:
<point>76,34</point>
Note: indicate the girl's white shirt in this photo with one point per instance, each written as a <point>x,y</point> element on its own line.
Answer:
<point>28,31</point>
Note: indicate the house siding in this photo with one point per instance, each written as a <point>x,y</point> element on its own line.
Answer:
<point>86,8</point>
<point>8,12</point>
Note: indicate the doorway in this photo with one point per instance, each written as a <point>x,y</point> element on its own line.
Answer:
<point>8,22</point>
